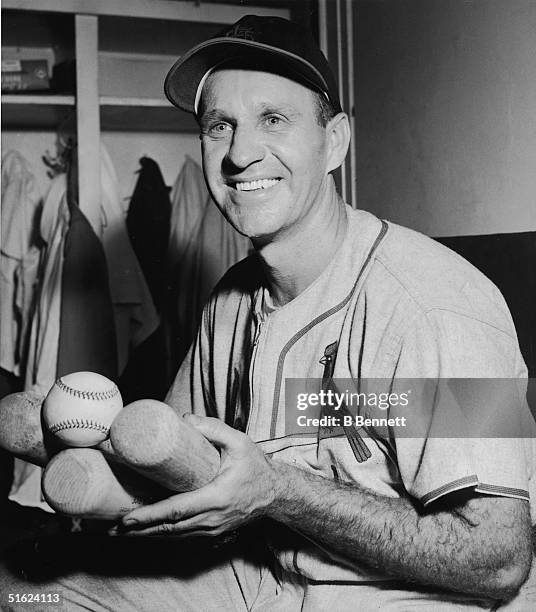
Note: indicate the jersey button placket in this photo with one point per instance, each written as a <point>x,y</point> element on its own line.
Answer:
<point>256,356</point>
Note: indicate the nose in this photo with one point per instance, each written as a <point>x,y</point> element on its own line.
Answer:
<point>245,149</point>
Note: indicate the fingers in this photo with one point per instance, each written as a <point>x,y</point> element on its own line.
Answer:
<point>196,526</point>
<point>215,430</point>
<point>172,509</point>
<point>160,530</point>
<point>205,524</point>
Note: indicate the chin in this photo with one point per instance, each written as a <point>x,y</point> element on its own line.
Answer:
<point>255,224</point>
<point>254,231</point>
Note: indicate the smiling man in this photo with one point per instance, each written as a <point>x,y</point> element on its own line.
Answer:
<point>382,522</point>
<point>345,519</point>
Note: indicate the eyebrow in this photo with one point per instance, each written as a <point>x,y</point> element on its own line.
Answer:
<point>213,115</point>
<point>263,109</point>
<point>277,107</point>
<point>286,109</point>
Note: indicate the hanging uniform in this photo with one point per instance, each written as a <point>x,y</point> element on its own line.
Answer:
<point>147,373</point>
<point>148,226</point>
<point>202,247</point>
<point>45,327</point>
<point>87,339</point>
<point>134,312</point>
<point>20,255</point>
<point>189,199</point>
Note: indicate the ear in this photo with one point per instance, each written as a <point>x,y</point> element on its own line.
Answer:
<point>338,134</point>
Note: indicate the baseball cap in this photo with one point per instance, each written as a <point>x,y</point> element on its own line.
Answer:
<point>264,41</point>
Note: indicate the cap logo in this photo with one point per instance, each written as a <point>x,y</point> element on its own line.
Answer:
<point>241,31</point>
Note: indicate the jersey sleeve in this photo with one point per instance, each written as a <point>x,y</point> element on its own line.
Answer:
<point>469,425</point>
<point>212,377</point>
<point>192,389</point>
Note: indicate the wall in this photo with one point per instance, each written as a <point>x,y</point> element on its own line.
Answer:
<point>446,113</point>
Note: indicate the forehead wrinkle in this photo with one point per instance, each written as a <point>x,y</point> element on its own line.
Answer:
<point>207,99</point>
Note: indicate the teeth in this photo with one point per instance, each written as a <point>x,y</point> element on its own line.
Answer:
<point>253,185</point>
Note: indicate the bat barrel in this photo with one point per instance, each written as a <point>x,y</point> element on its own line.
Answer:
<point>80,482</point>
<point>152,438</point>
<point>20,427</point>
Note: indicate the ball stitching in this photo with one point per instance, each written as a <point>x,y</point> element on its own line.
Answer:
<point>78,424</point>
<point>88,395</point>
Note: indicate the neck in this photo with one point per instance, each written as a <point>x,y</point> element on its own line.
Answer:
<point>293,262</point>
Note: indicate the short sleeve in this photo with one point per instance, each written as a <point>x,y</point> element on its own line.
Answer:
<point>192,389</point>
<point>473,419</point>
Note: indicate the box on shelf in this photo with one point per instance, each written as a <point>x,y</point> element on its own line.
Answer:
<point>25,75</point>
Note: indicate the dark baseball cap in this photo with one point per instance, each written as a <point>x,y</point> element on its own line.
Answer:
<point>263,42</point>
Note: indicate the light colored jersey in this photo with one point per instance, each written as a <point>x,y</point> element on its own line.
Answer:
<point>392,304</point>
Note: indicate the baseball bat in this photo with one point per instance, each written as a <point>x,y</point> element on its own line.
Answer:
<point>152,438</point>
<point>21,433</point>
<point>80,482</point>
<point>21,430</point>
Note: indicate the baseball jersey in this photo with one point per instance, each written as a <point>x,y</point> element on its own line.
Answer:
<point>392,305</point>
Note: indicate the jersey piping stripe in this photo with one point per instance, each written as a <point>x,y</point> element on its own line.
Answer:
<point>461,483</point>
<point>297,434</point>
<point>313,323</point>
<point>472,481</point>
<point>302,434</point>
<point>499,490</point>
<point>280,450</point>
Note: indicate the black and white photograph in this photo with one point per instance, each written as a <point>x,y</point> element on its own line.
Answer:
<point>268,306</point>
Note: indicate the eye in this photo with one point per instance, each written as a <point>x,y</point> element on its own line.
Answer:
<point>273,120</point>
<point>219,129</point>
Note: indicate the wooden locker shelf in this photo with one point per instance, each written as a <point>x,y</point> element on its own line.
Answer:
<point>136,114</point>
<point>35,111</point>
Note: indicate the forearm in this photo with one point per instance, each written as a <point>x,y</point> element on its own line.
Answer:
<point>466,549</point>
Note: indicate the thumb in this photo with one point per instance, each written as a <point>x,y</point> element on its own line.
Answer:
<point>215,430</point>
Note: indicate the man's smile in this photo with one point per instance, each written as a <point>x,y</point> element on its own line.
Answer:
<point>255,185</point>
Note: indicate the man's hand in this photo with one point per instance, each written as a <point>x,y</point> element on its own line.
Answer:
<point>242,490</point>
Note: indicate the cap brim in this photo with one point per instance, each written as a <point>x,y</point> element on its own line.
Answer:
<point>185,75</point>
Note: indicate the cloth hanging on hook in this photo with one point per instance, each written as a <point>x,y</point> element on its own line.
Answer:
<point>202,246</point>
<point>148,226</point>
<point>189,199</point>
<point>45,328</point>
<point>87,340</point>
<point>20,254</point>
<point>146,374</point>
<point>134,312</point>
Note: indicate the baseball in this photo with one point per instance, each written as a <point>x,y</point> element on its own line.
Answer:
<point>80,408</point>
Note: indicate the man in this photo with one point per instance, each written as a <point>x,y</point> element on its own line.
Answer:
<point>395,304</point>
<point>354,520</point>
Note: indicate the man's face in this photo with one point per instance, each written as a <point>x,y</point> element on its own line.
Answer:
<point>264,153</point>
